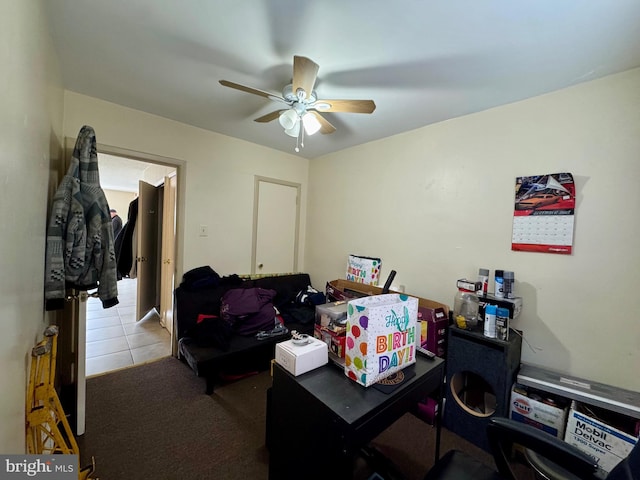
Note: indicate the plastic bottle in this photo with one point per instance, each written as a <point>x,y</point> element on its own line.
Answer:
<point>499,279</point>
<point>465,305</point>
<point>490,321</point>
<point>509,281</point>
<point>483,278</point>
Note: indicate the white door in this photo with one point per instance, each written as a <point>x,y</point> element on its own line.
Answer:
<point>168,250</point>
<point>276,226</point>
<point>146,233</point>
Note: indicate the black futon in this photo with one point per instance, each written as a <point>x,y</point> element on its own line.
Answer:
<point>242,354</point>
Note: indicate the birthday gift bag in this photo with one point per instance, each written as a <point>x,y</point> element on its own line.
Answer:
<point>363,269</point>
<point>381,336</point>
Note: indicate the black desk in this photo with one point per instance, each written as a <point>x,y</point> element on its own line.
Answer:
<point>321,420</point>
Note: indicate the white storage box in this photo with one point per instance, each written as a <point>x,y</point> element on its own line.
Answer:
<point>528,407</point>
<point>607,444</point>
<point>299,359</point>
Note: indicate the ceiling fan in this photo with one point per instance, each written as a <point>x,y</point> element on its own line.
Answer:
<point>302,112</point>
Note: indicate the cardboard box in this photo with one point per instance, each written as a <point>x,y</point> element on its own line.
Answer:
<point>549,415</point>
<point>335,341</point>
<point>433,323</point>
<point>299,359</point>
<point>607,444</point>
<point>340,289</point>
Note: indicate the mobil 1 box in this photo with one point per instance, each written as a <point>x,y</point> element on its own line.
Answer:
<point>606,443</point>
<point>298,359</point>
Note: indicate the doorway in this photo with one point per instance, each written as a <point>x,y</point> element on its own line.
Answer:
<point>134,332</point>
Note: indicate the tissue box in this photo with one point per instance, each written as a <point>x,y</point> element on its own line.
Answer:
<point>299,359</point>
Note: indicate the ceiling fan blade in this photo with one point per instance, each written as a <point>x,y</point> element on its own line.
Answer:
<point>305,72</point>
<point>269,117</point>
<point>325,126</point>
<point>254,91</point>
<point>350,106</point>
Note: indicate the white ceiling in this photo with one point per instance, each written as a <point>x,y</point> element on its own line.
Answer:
<point>117,173</point>
<point>420,61</point>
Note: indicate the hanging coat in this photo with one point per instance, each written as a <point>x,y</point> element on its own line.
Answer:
<point>124,243</point>
<point>80,246</point>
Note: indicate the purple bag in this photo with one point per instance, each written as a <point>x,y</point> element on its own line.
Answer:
<point>248,310</point>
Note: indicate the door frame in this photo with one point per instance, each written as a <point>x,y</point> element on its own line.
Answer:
<point>77,356</point>
<point>256,203</point>
<point>181,173</point>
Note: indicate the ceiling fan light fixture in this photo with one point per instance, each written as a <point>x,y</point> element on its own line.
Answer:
<point>288,119</point>
<point>311,123</point>
<point>293,131</point>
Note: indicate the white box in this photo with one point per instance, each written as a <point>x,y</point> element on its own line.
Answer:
<point>548,418</point>
<point>606,444</point>
<point>299,359</point>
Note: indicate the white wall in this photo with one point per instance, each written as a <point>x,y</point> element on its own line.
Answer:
<point>120,201</point>
<point>437,203</point>
<point>30,134</point>
<point>219,177</point>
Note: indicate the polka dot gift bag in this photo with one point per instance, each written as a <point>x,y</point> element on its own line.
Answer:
<point>381,336</point>
<point>363,269</point>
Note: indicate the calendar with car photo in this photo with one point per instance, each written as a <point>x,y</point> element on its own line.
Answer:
<point>543,215</point>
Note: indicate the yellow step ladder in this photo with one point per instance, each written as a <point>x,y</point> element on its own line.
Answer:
<point>47,429</point>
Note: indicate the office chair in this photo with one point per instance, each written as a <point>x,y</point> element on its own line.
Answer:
<point>550,457</point>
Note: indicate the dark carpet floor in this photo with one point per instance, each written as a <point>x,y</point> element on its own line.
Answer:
<point>154,422</point>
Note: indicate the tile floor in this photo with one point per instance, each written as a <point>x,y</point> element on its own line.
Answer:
<point>114,338</point>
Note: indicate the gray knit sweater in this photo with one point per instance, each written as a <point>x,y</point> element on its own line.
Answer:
<point>80,246</point>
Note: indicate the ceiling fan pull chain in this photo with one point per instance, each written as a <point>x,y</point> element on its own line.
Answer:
<point>297,149</point>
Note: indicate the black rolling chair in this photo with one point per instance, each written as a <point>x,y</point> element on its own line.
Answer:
<point>549,456</point>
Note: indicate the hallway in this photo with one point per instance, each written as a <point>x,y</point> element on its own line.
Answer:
<point>114,338</point>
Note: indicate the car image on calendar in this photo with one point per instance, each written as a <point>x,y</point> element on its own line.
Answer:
<point>536,201</point>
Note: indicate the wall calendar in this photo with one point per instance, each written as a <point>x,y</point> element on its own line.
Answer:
<point>543,213</point>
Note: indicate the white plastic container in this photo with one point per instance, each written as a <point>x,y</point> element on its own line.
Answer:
<point>490,321</point>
